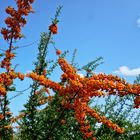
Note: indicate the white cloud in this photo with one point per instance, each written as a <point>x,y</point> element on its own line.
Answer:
<point>81,75</point>
<point>27,71</point>
<point>124,70</point>
<point>138,22</point>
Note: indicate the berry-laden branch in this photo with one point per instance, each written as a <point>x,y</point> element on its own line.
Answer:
<point>96,85</point>
<point>14,22</point>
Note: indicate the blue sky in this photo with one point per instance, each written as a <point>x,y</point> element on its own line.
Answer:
<point>106,28</point>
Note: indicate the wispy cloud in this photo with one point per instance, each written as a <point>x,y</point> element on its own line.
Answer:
<point>138,22</point>
<point>126,71</point>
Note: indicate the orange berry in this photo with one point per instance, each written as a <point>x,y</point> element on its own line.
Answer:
<point>7,126</point>
<point>53,28</point>
<point>20,76</point>
<point>8,113</point>
<point>1,116</point>
<point>58,52</point>
<point>63,121</point>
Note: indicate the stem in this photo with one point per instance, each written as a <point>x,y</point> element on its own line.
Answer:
<point>49,36</point>
<point>11,41</point>
<point>44,54</point>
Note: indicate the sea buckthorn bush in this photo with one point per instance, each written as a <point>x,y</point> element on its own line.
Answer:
<point>60,110</point>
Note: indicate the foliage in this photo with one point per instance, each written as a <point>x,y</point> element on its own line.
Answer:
<point>63,110</point>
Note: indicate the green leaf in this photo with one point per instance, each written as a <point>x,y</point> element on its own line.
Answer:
<point>1,55</point>
<point>12,88</point>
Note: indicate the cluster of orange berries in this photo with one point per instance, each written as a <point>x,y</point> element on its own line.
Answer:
<point>16,20</point>
<point>82,110</point>
<point>137,102</point>
<point>1,116</point>
<point>80,115</point>
<point>44,81</point>
<point>81,89</point>
<point>104,120</point>
<point>6,79</point>
<point>6,61</point>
